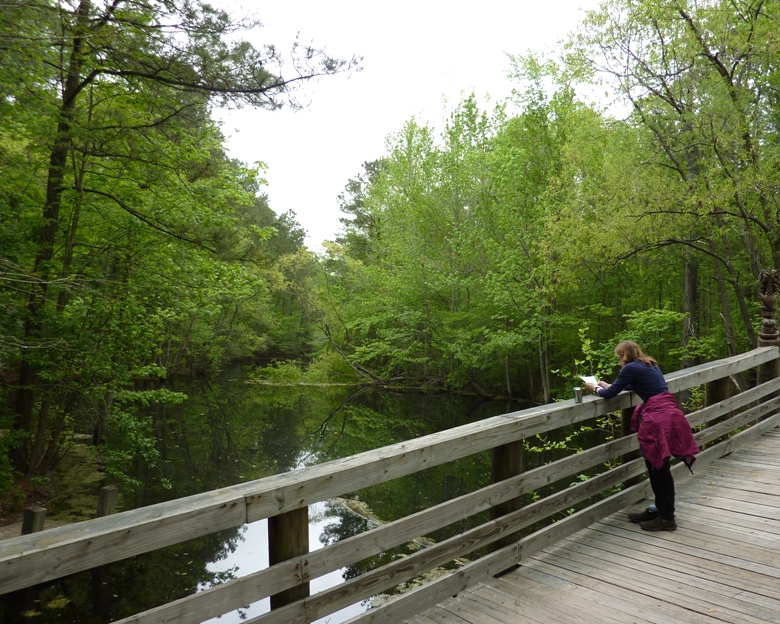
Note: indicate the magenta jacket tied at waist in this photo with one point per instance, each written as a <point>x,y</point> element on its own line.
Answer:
<point>663,431</point>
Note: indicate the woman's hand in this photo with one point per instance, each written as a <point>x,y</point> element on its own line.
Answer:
<point>592,387</point>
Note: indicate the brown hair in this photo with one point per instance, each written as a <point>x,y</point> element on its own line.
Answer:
<point>628,351</point>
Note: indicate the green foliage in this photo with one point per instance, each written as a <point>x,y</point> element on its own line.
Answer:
<point>130,240</point>
<point>471,270</point>
<point>279,372</point>
<point>330,367</point>
<point>655,329</point>
<point>592,362</point>
<point>513,242</point>
<point>131,436</point>
<point>146,398</point>
<point>696,399</point>
<point>9,440</point>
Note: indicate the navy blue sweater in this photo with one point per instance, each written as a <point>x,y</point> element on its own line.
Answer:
<point>646,381</point>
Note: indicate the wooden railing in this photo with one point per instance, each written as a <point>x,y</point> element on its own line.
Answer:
<point>284,499</point>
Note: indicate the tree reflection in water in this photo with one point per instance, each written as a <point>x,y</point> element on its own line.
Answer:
<point>231,431</point>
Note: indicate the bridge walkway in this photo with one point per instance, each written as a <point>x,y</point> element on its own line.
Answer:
<point>721,565</point>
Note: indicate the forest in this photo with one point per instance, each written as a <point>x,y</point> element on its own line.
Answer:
<point>501,254</point>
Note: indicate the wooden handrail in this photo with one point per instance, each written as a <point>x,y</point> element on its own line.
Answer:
<point>419,599</point>
<point>33,559</point>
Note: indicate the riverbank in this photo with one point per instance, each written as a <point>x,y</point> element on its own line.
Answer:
<point>69,493</point>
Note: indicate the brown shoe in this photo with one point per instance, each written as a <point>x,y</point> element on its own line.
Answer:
<point>659,524</point>
<point>642,516</point>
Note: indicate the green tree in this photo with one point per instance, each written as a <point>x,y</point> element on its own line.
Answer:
<point>361,228</point>
<point>698,78</point>
<point>123,201</point>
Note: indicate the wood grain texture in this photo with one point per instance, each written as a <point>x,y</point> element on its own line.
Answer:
<point>64,550</point>
<point>71,548</point>
<point>719,566</point>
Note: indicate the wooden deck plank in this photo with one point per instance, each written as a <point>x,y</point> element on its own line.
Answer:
<point>651,610</point>
<point>523,610</point>
<point>694,594</point>
<point>753,479</point>
<point>421,619</point>
<point>755,457</point>
<point>648,555</point>
<point>701,543</point>
<point>735,471</point>
<point>766,526</point>
<point>760,532</point>
<point>478,613</point>
<point>763,472</point>
<point>438,616</point>
<point>490,603</point>
<point>699,578</point>
<point>694,556</point>
<point>567,607</point>
<point>736,489</point>
<point>721,565</point>
<point>741,484</point>
<point>764,463</point>
<point>728,504</point>
<point>635,587</point>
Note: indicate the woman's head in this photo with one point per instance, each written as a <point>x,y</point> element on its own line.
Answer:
<point>629,351</point>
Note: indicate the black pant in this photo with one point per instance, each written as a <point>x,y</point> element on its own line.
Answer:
<point>662,482</point>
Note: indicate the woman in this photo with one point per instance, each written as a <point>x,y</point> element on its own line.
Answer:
<point>662,430</point>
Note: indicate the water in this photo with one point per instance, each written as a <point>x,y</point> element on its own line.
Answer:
<point>230,431</point>
<point>252,556</point>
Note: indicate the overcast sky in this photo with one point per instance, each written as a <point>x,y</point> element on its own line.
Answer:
<point>419,59</point>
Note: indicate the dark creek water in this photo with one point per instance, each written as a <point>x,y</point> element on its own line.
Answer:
<point>230,431</point>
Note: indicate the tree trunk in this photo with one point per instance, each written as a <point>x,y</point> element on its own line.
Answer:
<point>690,324</point>
<point>27,394</point>
<point>506,363</point>
<point>690,307</point>
<point>728,321</point>
<point>544,363</point>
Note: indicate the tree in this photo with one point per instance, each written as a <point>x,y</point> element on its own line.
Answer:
<point>699,80</point>
<point>361,230</point>
<point>105,121</point>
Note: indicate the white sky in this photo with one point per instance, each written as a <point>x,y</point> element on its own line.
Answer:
<point>419,59</point>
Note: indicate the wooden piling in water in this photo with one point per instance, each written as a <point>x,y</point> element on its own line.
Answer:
<point>32,522</point>
<point>101,594</point>
<point>508,460</point>
<point>288,537</point>
<point>625,426</point>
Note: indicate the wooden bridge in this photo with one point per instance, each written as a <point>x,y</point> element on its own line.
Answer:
<point>567,557</point>
<point>720,566</point>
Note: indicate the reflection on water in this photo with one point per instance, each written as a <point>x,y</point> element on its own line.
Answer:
<point>252,555</point>
<point>230,431</point>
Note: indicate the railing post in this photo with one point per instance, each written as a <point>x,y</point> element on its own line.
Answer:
<point>507,462</point>
<point>768,288</point>
<point>33,519</point>
<point>288,537</point>
<point>625,425</point>
<point>101,596</point>
<point>716,391</point>
<point>32,522</point>
<point>107,500</point>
